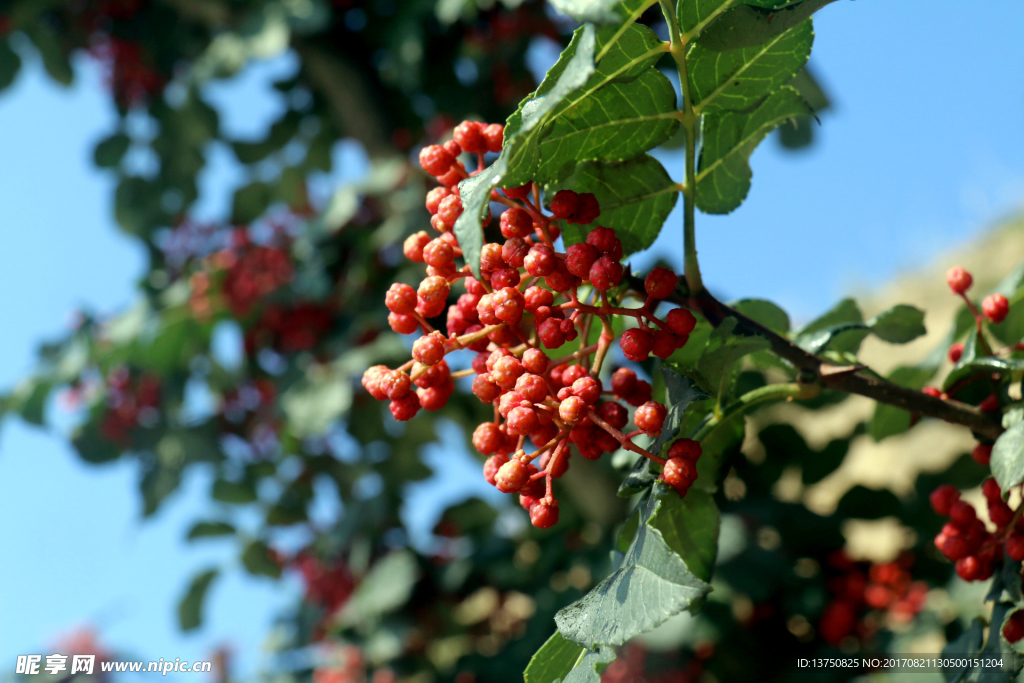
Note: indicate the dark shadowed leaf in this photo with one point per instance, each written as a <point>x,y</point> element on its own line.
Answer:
<point>690,527</point>
<point>257,560</point>
<point>190,609</point>
<point>209,529</point>
<point>1008,457</point>
<point>899,324</point>
<point>680,392</point>
<point>861,502</point>
<point>110,150</point>
<point>765,313</point>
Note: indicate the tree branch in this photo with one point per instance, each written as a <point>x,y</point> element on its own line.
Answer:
<point>852,381</point>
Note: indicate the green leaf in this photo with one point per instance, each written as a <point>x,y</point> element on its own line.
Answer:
<point>723,171</point>
<point>753,23</point>
<point>636,197</point>
<point>899,324</point>
<point>386,588</point>
<point>765,313</point>
<point>1008,457</point>
<point>968,645</point>
<point>234,492</point>
<point>689,526</point>
<point>520,141</point>
<point>190,609</point>
<point>740,78</point>
<point>680,392</point>
<point>722,352</point>
<point>889,420</point>
<point>54,56</point>
<point>828,329</point>
<point>250,202</point>
<point>208,529</point>
<point>10,64</point>
<point>651,584</point>
<point>257,560</point>
<point>591,667</point>
<point>798,132</point>
<point>137,205</point>
<point>554,660</point>
<point>110,150</point>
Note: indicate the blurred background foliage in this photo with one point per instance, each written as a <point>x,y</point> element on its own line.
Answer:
<point>298,280</point>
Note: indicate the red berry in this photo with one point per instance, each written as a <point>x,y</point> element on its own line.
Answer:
<point>531,387</point>
<point>535,361</point>
<point>579,258</point>
<point>958,279</point>
<point>640,395</point>
<point>649,418</point>
<point>962,513</point>
<point>395,384</point>
<point>1015,547</point>
<point>560,279</point>
<point>680,321</point>
<point>969,568</point>
<point>544,515</point>
<point>436,160</point>
<point>405,408</point>
<point>522,421</point>
<point>514,252</point>
<point>1013,627</point>
<point>636,344</point>
<point>429,349</point>
<point>679,473</point>
<point>400,298</point>
<point>508,305</point>
<point>371,381</point>
<point>955,352</point>
<point>1000,513</point>
<point>434,198</point>
<point>516,222</point>
<point>990,404</point>
<point>537,297</point>
<point>512,476</point>
<point>505,277</point>
<point>433,290</point>
<point>990,488</point>
<point>490,258</point>
<point>943,498</point>
<point>995,307</point>
<point>493,463</point>
<point>660,283</point>
<point>605,273</point>
<point>506,371</point>
<point>606,242</point>
<point>565,204</point>
<point>453,148</point>
<point>614,414</point>
<point>485,389</point>
<point>540,261</point>
<point>487,438</point>
<point>438,253</point>
<point>436,397</point>
<point>587,209</point>
<point>494,134</point>
<point>588,389</point>
<point>932,391</point>
<point>449,210</point>
<point>413,246</point>
<point>982,453</point>
<point>572,409</point>
<point>623,382</point>
<point>470,137</point>
<point>954,547</point>
<point>687,449</point>
<point>550,333</point>
<point>402,324</point>
<point>665,343</point>
<point>521,192</point>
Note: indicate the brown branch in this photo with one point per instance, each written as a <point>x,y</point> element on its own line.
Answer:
<point>850,380</point>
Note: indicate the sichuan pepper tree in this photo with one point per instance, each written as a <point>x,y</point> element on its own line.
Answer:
<point>528,303</point>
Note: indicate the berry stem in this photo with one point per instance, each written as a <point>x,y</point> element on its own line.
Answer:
<point>623,440</point>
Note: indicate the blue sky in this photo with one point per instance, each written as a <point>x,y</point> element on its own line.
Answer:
<point>922,150</point>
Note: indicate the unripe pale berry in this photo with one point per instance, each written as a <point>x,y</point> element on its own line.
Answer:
<point>660,283</point>
<point>958,279</point>
<point>649,418</point>
<point>572,409</point>
<point>492,465</point>
<point>995,307</point>
<point>636,344</point>
<point>544,515</point>
<point>512,476</point>
<point>680,321</point>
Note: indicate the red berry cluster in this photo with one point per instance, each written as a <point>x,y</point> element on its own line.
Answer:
<point>858,588</point>
<point>995,307</point>
<point>966,541</point>
<point>528,299</point>
<point>130,73</point>
<point>289,329</point>
<point>631,666</point>
<point>131,402</point>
